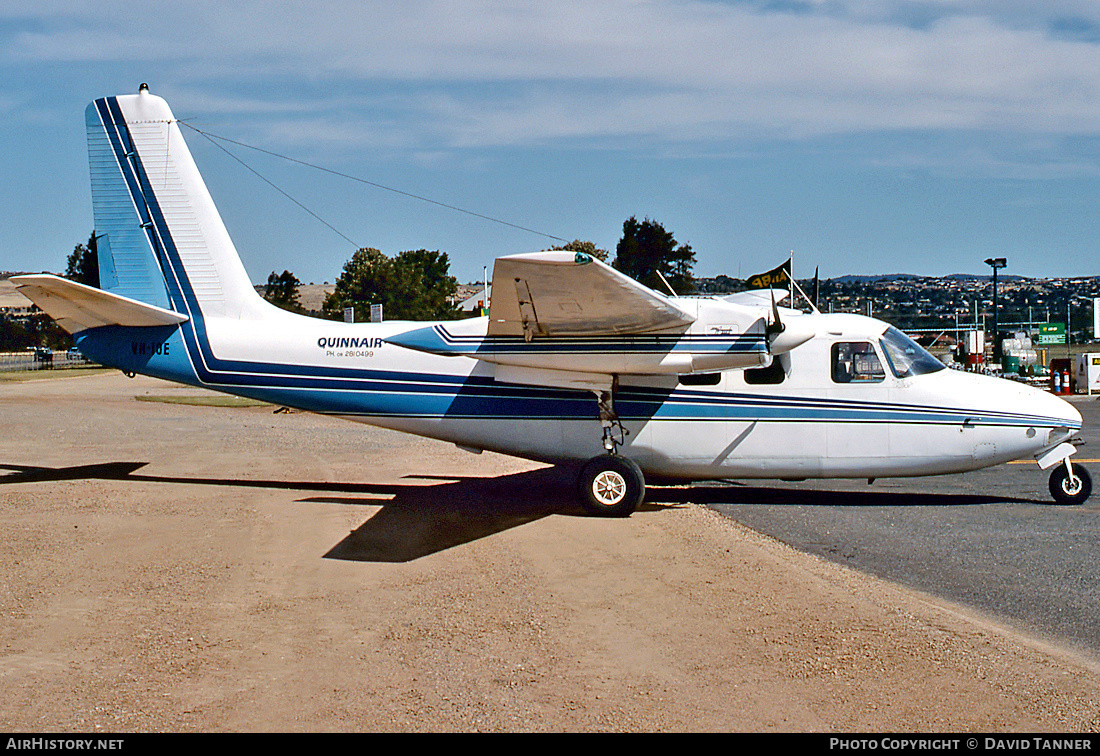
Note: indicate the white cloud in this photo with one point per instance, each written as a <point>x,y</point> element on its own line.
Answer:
<point>489,73</point>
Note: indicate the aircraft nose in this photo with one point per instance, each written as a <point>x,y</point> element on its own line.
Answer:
<point>1058,409</point>
<point>1071,415</point>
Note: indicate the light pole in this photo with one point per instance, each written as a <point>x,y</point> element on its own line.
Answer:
<point>996,263</point>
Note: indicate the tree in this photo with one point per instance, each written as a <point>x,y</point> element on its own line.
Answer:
<point>584,246</point>
<point>82,265</point>
<point>647,249</point>
<point>282,291</point>
<point>14,336</point>
<point>38,328</point>
<point>414,285</point>
<point>366,279</point>
<point>429,288</point>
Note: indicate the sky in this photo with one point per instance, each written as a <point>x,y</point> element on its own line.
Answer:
<point>901,136</point>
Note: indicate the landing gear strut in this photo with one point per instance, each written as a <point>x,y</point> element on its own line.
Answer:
<point>610,485</point>
<point>613,431</point>
<point>1070,484</point>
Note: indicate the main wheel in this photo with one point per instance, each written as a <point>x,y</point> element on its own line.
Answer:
<point>1070,491</point>
<point>611,486</point>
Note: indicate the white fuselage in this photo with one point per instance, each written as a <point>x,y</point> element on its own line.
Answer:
<point>802,423</point>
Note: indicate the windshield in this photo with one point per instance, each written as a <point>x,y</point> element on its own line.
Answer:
<point>907,357</point>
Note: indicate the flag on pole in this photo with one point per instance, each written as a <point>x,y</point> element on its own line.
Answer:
<point>773,279</point>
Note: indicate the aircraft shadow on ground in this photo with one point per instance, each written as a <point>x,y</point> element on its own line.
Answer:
<point>763,495</point>
<point>424,519</point>
<point>415,520</point>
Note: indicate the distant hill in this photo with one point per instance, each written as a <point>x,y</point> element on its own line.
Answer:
<point>10,298</point>
<point>310,296</point>
<point>879,278</point>
<point>985,277</point>
<point>874,278</point>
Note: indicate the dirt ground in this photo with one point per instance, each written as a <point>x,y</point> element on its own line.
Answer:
<point>175,567</point>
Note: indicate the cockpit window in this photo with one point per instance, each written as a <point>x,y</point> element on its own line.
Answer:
<point>907,357</point>
<point>856,362</point>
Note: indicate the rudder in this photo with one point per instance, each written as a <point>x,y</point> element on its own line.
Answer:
<point>159,236</point>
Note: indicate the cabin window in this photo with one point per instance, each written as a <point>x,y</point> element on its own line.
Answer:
<point>700,379</point>
<point>856,362</point>
<point>772,374</point>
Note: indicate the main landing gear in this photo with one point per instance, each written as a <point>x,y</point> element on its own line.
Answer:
<point>1070,484</point>
<point>610,485</point>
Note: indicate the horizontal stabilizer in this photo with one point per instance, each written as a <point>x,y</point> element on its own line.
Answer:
<point>757,297</point>
<point>566,294</point>
<point>77,307</point>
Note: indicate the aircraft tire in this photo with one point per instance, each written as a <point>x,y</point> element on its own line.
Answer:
<point>1062,489</point>
<point>611,486</point>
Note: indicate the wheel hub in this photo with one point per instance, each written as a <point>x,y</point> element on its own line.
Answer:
<point>609,487</point>
<point>1072,486</point>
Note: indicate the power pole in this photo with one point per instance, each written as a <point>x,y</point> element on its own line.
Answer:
<point>996,263</point>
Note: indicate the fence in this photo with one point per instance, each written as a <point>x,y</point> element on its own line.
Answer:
<point>30,360</point>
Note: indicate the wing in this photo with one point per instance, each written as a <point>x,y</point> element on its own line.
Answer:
<point>566,294</point>
<point>77,307</point>
<point>563,313</point>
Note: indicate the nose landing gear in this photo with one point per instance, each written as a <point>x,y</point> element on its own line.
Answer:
<point>1070,484</point>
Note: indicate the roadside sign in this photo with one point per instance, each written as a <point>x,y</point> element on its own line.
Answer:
<point>1088,372</point>
<point>1052,333</point>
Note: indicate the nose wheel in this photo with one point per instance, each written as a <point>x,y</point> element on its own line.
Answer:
<point>1070,484</point>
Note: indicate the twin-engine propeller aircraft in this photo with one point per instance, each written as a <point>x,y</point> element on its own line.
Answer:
<point>574,363</point>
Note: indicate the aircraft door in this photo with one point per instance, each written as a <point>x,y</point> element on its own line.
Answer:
<point>858,434</point>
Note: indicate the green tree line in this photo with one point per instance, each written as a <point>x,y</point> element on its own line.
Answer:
<point>417,284</point>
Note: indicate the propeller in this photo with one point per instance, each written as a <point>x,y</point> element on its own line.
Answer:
<point>776,326</point>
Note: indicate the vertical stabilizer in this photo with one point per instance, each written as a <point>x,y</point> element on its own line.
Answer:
<point>159,236</point>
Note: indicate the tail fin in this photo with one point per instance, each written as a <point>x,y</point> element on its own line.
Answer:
<point>159,236</point>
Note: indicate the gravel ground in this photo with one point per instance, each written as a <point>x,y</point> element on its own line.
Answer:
<point>168,567</point>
